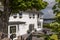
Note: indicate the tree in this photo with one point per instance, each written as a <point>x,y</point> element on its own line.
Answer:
<point>56,25</point>
<point>23,5</point>
<point>13,6</point>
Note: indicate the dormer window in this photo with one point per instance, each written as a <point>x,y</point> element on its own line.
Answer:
<point>15,15</point>
<point>20,15</point>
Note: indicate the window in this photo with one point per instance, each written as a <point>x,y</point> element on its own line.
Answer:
<point>31,27</point>
<point>12,29</point>
<point>39,16</point>
<point>15,15</point>
<point>39,25</point>
<point>20,15</point>
<point>31,15</point>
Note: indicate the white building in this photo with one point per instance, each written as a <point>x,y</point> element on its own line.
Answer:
<point>21,22</point>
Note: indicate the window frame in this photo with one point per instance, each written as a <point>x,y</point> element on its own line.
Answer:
<point>39,16</point>
<point>10,29</point>
<point>39,25</point>
<point>31,27</point>
<point>20,15</point>
<point>15,15</point>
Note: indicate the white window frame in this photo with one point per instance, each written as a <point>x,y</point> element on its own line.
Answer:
<point>20,14</point>
<point>15,15</point>
<point>9,30</point>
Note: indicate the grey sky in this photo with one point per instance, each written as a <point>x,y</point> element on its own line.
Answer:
<point>48,12</point>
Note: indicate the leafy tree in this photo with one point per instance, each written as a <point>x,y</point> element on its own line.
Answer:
<point>13,6</point>
<point>56,25</point>
<point>23,5</point>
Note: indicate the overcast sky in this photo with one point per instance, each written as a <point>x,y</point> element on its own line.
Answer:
<point>48,12</point>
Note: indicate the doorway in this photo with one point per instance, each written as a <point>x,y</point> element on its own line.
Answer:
<point>31,27</point>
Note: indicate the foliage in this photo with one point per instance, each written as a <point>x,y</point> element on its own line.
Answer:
<point>56,25</point>
<point>56,7</point>
<point>19,5</point>
<point>22,5</point>
<point>54,36</point>
<point>58,1</point>
<point>46,25</point>
<point>51,37</point>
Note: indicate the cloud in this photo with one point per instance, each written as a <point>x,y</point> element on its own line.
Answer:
<point>48,12</point>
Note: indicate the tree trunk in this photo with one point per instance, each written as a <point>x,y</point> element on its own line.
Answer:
<point>5,16</point>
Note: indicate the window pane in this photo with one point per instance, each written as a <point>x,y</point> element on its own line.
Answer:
<point>40,16</point>
<point>30,15</point>
<point>39,25</point>
<point>15,15</point>
<point>33,15</point>
<point>20,15</point>
<point>12,29</point>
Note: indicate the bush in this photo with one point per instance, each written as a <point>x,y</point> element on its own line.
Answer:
<point>54,36</point>
<point>46,25</point>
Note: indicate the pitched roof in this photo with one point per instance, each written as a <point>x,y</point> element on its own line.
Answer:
<point>33,11</point>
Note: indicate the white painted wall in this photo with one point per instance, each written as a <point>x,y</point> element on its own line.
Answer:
<point>25,18</point>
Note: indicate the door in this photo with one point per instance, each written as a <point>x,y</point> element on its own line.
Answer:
<point>12,30</point>
<point>31,27</point>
